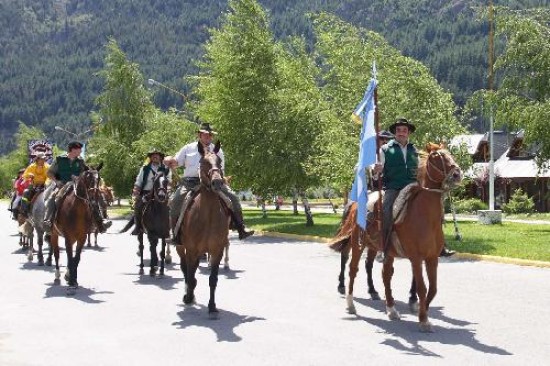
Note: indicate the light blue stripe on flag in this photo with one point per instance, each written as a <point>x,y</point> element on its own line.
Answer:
<point>367,153</point>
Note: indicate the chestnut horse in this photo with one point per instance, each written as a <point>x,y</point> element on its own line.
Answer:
<point>417,236</point>
<point>204,229</point>
<point>74,220</point>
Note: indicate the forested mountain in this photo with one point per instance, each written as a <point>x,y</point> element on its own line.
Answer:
<point>51,50</point>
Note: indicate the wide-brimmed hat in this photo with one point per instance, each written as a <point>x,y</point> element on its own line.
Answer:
<point>386,135</point>
<point>206,128</point>
<point>40,155</point>
<point>154,151</point>
<point>402,122</point>
<point>74,145</point>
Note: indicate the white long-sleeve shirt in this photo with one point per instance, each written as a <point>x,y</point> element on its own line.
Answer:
<point>189,158</point>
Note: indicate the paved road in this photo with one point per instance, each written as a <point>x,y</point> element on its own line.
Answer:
<point>279,306</point>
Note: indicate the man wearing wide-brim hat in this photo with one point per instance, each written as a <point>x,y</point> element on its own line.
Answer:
<point>398,165</point>
<point>144,183</point>
<point>189,158</point>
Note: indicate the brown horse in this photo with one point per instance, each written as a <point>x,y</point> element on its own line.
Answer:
<point>417,236</point>
<point>107,193</point>
<point>74,220</point>
<point>204,229</point>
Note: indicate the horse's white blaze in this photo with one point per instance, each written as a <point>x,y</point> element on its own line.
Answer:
<point>392,313</point>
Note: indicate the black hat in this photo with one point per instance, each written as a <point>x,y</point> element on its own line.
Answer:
<point>74,145</point>
<point>154,151</point>
<point>402,122</point>
<point>206,128</point>
<point>385,134</point>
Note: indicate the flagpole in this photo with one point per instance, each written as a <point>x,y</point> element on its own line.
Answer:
<point>377,130</point>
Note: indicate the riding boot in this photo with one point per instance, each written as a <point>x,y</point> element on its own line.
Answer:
<point>102,224</point>
<point>239,225</point>
<point>446,252</point>
<point>49,216</point>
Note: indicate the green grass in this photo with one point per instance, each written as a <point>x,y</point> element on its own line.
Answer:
<point>512,240</point>
<point>119,211</point>
<point>509,239</point>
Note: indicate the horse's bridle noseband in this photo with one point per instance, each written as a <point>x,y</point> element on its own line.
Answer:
<point>447,176</point>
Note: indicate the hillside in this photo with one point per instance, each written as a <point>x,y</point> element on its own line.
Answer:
<point>50,50</point>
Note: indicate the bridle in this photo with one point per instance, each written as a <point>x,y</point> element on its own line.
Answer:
<point>94,189</point>
<point>214,168</point>
<point>447,175</point>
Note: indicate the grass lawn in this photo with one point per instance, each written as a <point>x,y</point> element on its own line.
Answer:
<point>512,240</point>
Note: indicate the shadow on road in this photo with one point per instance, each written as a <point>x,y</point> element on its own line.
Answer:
<point>82,293</point>
<point>230,274</point>
<point>163,282</point>
<point>405,335</point>
<point>224,327</point>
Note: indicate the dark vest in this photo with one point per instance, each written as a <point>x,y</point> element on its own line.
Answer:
<point>67,168</point>
<point>397,173</point>
<point>147,169</point>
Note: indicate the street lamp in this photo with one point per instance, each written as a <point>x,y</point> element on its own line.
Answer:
<point>154,82</point>
<point>75,135</point>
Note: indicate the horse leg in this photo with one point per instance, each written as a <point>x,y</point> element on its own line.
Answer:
<point>344,255</point>
<point>89,245</point>
<point>369,261</point>
<point>40,238</point>
<point>226,257</point>
<point>213,283</point>
<point>192,263</point>
<point>153,241</point>
<point>140,251</point>
<point>387,274</point>
<point>162,255</point>
<point>425,325</point>
<point>30,255</point>
<point>353,269</point>
<point>95,239</point>
<point>70,266</point>
<point>413,299</point>
<point>431,270</point>
<point>168,259</point>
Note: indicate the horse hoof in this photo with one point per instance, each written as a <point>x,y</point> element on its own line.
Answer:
<point>213,314</point>
<point>49,262</point>
<point>41,262</point>
<point>152,272</point>
<point>351,310</point>
<point>71,290</point>
<point>141,271</point>
<point>392,313</point>
<point>413,307</point>
<point>226,267</point>
<point>374,295</point>
<point>57,281</point>
<point>188,300</point>
<point>341,289</point>
<point>426,327</point>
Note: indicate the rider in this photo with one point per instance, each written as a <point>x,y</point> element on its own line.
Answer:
<point>38,170</point>
<point>398,165</point>
<point>62,171</point>
<point>19,186</point>
<point>144,183</point>
<point>189,158</point>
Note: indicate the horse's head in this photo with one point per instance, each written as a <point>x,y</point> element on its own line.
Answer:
<point>87,184</point>
<point>438,169</point>
<point>160,188</point>
<point>210,168</point>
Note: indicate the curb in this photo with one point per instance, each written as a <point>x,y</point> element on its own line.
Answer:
<point>466,256</point>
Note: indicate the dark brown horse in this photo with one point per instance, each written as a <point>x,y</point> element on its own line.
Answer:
<point>74,221</point>
<point>204,229</point>
<point>417,236</point>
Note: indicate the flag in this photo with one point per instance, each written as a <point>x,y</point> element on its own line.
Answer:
<point>367,152</point>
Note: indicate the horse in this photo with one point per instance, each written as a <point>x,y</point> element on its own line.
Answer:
<point>74,220</point>
<point>107,193</point>
<point>156,223</point>
<point>103,203</point>
<point>205,228</point>
<point>34,222</point>
<point>369,262</point>
<point>417,234</point>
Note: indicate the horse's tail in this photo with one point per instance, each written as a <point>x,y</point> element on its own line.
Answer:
<point>128,225</point>
<point>341,239</point>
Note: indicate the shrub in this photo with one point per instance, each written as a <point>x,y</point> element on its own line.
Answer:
<point>470,205</point>
<point>519,203</point>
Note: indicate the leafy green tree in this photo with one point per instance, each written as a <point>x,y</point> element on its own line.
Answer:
<point>125,106</point>
<point>18,158</point>
<point>405,88</point>
<point>522,100</point>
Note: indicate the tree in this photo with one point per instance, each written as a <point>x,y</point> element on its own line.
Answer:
<point>125,106</point>
<point>522,100</point>
<point>405,88</point>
